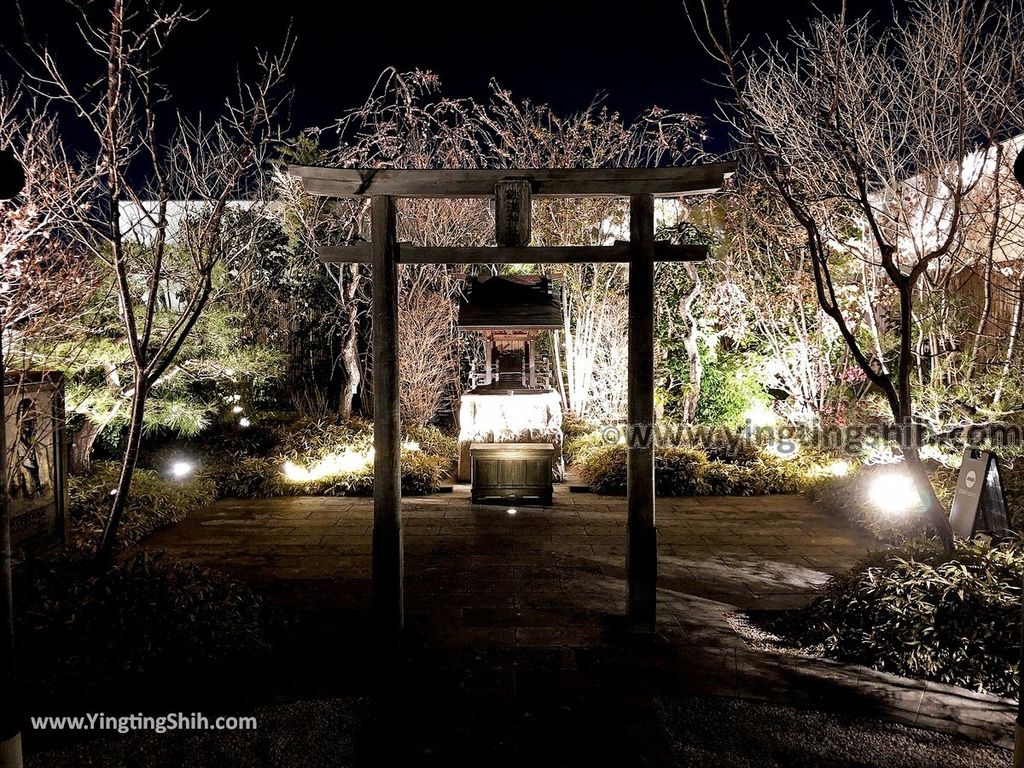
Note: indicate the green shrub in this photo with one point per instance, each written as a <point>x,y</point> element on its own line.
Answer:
<point>1012,475</point>
<point>256,478</point>
<point>604,469</point>
<point>689,472</point>
<point>730,386</point>
<point>246,477</point>
<point>574,426</point>
<point>849,497</point>
<point>919,612</point>
<point>422,473</point>
<point>154,501</point>
<point>575,449</point>
<point>434,442</point>
<point>677,471</point>
<point>307,442</point>
<point>241,474</point>
<point>148,623</point>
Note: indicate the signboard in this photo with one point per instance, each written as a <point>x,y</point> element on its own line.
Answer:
<point>979,504</point>
<point>35,453</point>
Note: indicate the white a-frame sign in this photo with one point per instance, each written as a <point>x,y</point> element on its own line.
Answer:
<point>979,504</point>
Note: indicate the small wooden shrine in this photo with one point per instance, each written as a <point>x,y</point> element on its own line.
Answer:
<point>510,400</point>
<point>510,314</point>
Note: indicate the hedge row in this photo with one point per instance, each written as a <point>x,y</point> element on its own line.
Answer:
<point>743,471</point>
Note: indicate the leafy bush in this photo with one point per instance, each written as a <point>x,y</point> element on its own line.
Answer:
<point>308,442</point>
<point>849,497</point>
<point>256,478</point>
<point>604,469</point>
<point>689,472</point>
<point>253,468</point>
<point>434,442</point>
<point>575,449</point>
<point>730,386</point>
<point>246,477</point>
<point>574,426</point>
<point>154,501</point>
<point>732,451</point>
<point>148,623</point>
<point>919,612</point>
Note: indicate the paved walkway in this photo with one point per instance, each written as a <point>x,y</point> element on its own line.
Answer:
<point>523,605</point>
<point>768,552</point>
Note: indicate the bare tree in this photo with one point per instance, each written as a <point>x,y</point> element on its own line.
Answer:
<point>404,123</point>
<point>427,348</point>
<point>407,123</point>
<point>873,128</point>
<point>201,165</point>
<point>41,282</point>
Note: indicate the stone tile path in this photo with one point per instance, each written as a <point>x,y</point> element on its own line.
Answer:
<point>480,563</point>
<point>521,605</point>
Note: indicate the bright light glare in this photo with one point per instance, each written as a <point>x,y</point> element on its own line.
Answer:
<point>237,409</point>
<point>333,464</point>
<point>512,510</point>
<point>839,468</point>
<point>760,416</point>
<point>893,492</point>
<point>181,468</point>
<point>244,422</point>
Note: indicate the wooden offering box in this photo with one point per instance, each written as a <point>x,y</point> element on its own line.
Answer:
<point>512,471</point>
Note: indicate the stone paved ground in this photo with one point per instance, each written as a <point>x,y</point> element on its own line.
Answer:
<point>542,567</point>
<point>514,615</point>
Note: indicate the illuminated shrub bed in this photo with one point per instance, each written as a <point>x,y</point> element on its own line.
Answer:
<point>742,470</point>
<point>323,458</point>
<point>155,500</point>
<point>918,612</point>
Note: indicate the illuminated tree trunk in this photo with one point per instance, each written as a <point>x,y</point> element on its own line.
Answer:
<point>131,457</point>
<point>696,368</point>
<point>350,349</point>
<point>79,457</point>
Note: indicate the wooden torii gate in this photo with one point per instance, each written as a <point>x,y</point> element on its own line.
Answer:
<point>512,191</point>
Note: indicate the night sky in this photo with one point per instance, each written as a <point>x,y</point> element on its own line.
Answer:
<point>638,52</point>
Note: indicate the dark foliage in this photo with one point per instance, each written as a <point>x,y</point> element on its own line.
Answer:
<point>919,612</point>
<point>148,624</point>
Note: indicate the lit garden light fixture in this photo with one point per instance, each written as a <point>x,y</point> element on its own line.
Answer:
<point>759,416</point>
<point>181,469</point>
<point>839,468</point>
<point>893,492</point>
<point>12,181</point>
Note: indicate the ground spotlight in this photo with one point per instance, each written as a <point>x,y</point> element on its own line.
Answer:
<point>181,468</point>
<point>893,492</point>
